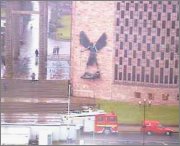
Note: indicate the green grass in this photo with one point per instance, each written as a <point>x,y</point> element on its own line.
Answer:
<point>65,31</point>
<point>129,113</point>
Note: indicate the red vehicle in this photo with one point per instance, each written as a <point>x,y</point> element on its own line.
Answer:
<point>154,127</point>
<point>106,123</point>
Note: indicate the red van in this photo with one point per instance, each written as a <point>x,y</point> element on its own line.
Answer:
<point>154,127</point>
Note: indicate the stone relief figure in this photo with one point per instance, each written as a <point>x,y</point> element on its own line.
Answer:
<point>93,50</point>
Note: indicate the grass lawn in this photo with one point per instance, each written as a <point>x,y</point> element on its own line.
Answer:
<point>65,31</point>
<point>129,113</point>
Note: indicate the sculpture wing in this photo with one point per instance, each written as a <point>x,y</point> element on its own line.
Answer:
<point>101,42</point>
<point>84,41</point>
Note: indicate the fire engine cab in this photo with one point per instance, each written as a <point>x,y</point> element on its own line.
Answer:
<point>95,121</point>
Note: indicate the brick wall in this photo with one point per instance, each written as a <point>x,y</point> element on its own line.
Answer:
<point>95,18</point>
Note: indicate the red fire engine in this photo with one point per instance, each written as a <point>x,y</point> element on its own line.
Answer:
<point>106,123</point>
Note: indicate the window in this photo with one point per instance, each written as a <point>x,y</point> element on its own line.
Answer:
<point>133,73</point>
<point>140,30</point>
<point>122,14</point>
<point>150,96</point>
<point>137,94</point>
<point>144,39</point>
<point>158,31</point>
<point>147,63</point>
<point>139,46</point>
<point>117,37</point>
<point>134,54</point>
<point>148,47</point>
<point>176,64</point>
<point>154,7</point>
<point>131,14</point>
<point>163,24</point>
<point>161,75</point>
<point>175,79</point>
<point>169,16</point>
<point>142,74</point>
<point>122,29</point>
<point>124,72</point>
<point>149,15</point>
<point>130,30</point>
<point>159,16</point>
<point>143,54</point>
<point>139,62</point>
<point>177,32</point>
<point>135,38</point>
<point>165,96</point>
<point>177,48</point>
<point>138,77</point>
<point>168,32</point>
<point>130,45</point>
<point>147,78</point>
<point>156,78</point>
<point>174,9</point>
<point>172,56</point>
<point>126,22</point>
<point>111,119</point>
<point>145,7</point>
<point>157,63</point>
<point>127,6</point>
<point>152,75</point>
<point>153,39</point>
<point>163,40</point>
<point>129,61</point>
<point>154,23</point>
<point>117,22</point>
<point>129,76</point>
<point>145,23</point>
<point>166,63</point>
<point>166,80</point>
<point>167,48</point>
<point>118,6</point>
<point>120,61</point>
<point>172,40</point>
<point>149,31</point>
<point>173,24</point>
<point>157,47</point>
<point>140,15</point>
<point>136,6</point>
<point>177,96</point>
<point>100,118</point>
<point>120,76</point>
<point>116,71</point>
<point>162,55</point>
<point>164,8</point>
<point>121,45</point>
<point>171,76</point>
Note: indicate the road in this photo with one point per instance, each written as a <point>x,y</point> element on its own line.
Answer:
<point>130,138</point>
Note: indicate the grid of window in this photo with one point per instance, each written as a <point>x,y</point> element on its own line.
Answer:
<point>148,35</point>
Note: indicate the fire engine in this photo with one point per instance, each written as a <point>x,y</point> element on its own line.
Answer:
<point>94,121</point>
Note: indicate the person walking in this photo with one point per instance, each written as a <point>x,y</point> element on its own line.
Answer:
<point>57,49</point>
<point>36,52</point>
<point>33,76</point>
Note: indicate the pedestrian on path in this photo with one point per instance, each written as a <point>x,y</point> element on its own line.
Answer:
<point>33,76</point>
<point>36,52</point>
<point>57,49</point>
<point>54,50</point>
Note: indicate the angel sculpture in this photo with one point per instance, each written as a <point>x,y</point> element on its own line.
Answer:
<point>92,59</point>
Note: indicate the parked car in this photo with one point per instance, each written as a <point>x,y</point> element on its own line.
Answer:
<point>155,127</point>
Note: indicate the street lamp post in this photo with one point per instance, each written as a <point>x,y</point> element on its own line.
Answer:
<point>144,113</point>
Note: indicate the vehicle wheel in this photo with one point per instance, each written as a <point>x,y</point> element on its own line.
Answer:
<point>107,131</point>
<point>149,133</point>
<point>168,133</point>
